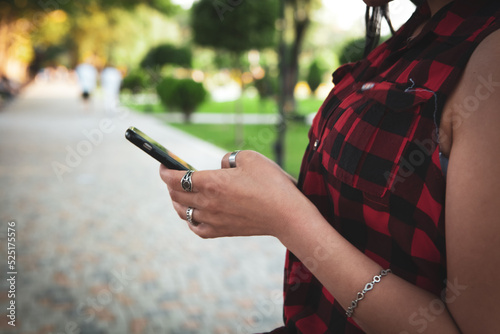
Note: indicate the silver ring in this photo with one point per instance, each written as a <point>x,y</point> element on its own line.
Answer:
<point>232,158</point>
<point>189,216</point>
<point>186,182</point>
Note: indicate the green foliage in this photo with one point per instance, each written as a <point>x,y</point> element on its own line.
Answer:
<point>165,90</point>
<point>33,10</point>
<point>14,9</point>
<point>54,55</point>
<point>163,6</point>
<point>352,51</point>
<point>185,94</point>
<point>135,81</point>
<point>167,54</point>
<point>234,26</point>
<point>108,30</point>
<point>267,86</point>
<point>119,36</point>
<point>315,75</point>
<point>83,7</point>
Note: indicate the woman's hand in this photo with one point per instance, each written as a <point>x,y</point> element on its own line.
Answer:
<point>255,198</point>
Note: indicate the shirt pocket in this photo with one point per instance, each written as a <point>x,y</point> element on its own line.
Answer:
<point>368,133</point>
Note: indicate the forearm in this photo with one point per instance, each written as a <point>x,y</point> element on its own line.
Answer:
<point>393,306</point>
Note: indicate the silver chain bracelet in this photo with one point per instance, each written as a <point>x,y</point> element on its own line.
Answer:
<point>368,287</point>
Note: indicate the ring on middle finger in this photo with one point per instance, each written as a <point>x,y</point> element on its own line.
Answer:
<point>232,159</point>
<point>186,182</point>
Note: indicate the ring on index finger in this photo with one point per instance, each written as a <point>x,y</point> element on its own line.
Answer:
<point>232,159</point>
<point>186,182</point>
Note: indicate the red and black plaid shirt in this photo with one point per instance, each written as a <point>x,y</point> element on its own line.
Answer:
<point>373,167</point>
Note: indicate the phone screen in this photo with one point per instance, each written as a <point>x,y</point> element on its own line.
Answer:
<point>156,150</point>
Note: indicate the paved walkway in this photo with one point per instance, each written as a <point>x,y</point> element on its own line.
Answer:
<point>98,246</point>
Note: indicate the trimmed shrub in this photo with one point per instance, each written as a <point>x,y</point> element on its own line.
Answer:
<point>314,76</point>
<point>164,54</point>
<point>184,94</point>
<point>165,90</point>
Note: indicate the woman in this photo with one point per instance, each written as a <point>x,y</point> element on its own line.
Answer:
<point>381,238</point>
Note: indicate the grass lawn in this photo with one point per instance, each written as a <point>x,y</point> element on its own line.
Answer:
<point>260,138</point>
<point>250,105</point>
<point>257,106</point>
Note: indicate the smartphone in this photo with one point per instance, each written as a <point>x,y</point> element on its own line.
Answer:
<point>154,149</point>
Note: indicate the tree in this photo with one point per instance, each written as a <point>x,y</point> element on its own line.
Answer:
<point>20,19</point>
<point>16,22</point>
<point>235,27</point>
<point>294,18</point>
<point>295,21</point>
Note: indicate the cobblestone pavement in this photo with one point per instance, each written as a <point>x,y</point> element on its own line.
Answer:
<point>99,248</point>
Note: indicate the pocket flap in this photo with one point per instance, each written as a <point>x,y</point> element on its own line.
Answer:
<point>395,96</point>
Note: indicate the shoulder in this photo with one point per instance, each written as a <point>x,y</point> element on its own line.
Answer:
<point>478,90</point>
<point>473,108</point>
<point>478,93</point>
<point>486,55</point>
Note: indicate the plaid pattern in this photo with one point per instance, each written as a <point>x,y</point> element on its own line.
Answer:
<point>372,166</point>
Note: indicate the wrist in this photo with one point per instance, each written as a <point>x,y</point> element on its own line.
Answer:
<point>299,224</point>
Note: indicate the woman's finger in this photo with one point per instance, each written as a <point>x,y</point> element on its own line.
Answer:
<point>229,159</point>
<point>180,209</point>
<point>197,224</point>
<point>188,214</point>
<point>175,179</point>
<point>225,160</point>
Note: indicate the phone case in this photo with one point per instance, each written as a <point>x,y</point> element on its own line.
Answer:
<point>156,150</point>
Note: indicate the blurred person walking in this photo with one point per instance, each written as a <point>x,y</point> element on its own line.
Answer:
<point>87,77</point>
<point>111,79</point>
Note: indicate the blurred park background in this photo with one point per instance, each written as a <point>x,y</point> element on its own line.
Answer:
<point>98,247</point>
<point>264,57</point>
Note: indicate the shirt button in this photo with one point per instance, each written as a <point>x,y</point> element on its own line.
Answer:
<point>367,86</point>
<point>316,143</point>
